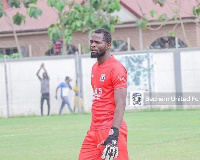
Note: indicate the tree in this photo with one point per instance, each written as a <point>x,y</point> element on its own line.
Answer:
<point>73,16</point>
<point>18,18</point>
<point>143,22</point>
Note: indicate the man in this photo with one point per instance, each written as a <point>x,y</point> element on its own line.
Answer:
<point>76,98</point>
<point>44,88</point>
<point>65,86</point>
<point>57,46</point>
<point>107,136</point>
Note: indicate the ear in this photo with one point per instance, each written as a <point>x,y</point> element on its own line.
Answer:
<point>108,45</point>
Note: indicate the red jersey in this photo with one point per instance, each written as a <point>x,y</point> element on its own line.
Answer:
<point>105,79</point>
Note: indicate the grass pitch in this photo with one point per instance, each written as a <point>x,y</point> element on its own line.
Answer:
<point>153,135</point>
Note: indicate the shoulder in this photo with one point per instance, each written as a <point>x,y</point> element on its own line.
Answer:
<point>62,84</point>
<point>94,66</point>
<point>117,66</point>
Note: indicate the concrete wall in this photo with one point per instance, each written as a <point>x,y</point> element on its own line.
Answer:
<point>24,86</point>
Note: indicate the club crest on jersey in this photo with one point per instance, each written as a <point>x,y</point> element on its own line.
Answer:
<point>102,78</point>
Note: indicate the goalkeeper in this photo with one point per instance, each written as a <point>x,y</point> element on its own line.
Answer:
<point>107,136</point>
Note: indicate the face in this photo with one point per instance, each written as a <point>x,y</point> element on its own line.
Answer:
<point>97,45</point>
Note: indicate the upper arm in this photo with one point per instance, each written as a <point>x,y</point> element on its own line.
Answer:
<point>119,77</point>
<point>39,77</point>
<point>119,80</point>
<point>120,97</point>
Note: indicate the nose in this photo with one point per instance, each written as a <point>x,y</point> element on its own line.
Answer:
<point>93,44</point>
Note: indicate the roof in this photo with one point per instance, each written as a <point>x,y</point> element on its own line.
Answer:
<point>49,16</point>
<point>142,8</point>
<point>138,8</point>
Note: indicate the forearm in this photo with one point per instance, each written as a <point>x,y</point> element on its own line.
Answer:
<point>38,71</point>
<point>56,91</point>
<point>45,71</point>
<point>120,102</point>
<point>118,116</point>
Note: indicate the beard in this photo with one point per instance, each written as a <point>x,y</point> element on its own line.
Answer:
<point>99,53</point>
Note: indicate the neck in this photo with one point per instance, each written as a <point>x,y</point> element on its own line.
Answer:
<point>104,58</point>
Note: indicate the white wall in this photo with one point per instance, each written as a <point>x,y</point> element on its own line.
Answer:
<point>190,71</point>
<point>24,86</point>
<point>164,72</point>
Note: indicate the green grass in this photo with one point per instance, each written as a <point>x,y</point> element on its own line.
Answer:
<point>156,135</point>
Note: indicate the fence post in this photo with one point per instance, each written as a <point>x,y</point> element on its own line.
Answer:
<point>6,84</point>
<point>140,38</point>
<point>78,80</point>
<point>178,77</point>
<point>30,50</point>
<point>149,77</point>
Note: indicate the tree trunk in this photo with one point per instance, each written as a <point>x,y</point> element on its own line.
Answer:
<point>14,32</point>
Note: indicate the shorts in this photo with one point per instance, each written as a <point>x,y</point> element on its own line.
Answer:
<point>91,151</point>
<point>45,96</point>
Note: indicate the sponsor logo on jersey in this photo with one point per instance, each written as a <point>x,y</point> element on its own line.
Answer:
<point>120,78</point>
<point>102,78</point>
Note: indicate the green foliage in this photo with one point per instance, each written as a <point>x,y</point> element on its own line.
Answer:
<point>28,2</point>
<point>142,22</point>
<point>10,56</point>
<point>15,3</point>
<point>92,15</point>
<point>196,10</point>
<point>163,17</point>
<point>152,13</point>
<point>172,33</point>
<point>33,11</point>
<point>175,18</point>
<point>54,31</point>
<point>1,9</point>
<point>1,56</point>
<point>59,5</point>
<point>18,18</point>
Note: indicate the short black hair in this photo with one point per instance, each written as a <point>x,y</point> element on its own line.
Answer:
<point>66,78</point>
<point>106,34</point>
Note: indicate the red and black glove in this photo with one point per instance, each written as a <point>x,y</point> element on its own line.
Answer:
<point>111,149</point>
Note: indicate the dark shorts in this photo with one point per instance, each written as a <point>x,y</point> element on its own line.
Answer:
<point>45,95</point>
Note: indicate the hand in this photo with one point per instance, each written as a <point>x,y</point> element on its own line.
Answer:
<point>42,65</point>
<point>111,149</point>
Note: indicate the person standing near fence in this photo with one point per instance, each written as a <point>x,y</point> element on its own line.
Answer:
<point>44,88</point>
<point>65,86</point>
<point>76,98</point>
<point>107,136</point>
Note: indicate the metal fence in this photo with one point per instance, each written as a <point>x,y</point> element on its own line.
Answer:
<point>155,79</point>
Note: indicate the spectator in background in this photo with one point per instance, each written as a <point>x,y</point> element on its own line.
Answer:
<point>76,98</point>
<point>44,88</point>
<point>57,46</point>
<point>65,86</point>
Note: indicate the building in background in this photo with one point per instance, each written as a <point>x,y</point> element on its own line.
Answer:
<point>34,40</point>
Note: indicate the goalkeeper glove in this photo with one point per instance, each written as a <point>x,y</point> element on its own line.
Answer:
<point>111,149</point>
